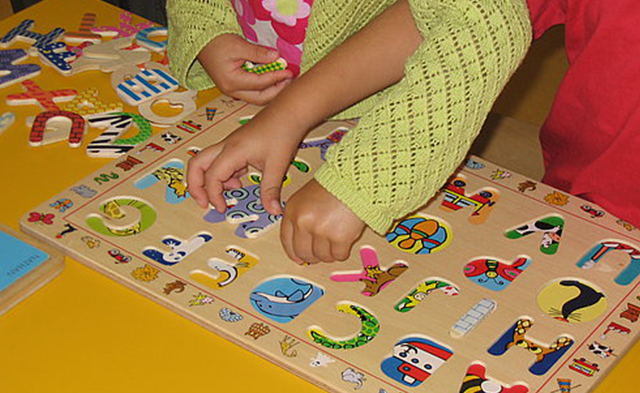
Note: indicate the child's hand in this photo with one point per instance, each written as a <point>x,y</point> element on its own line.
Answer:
<point>220,166</point>
<point>223,58</point>
<point>318,227</point>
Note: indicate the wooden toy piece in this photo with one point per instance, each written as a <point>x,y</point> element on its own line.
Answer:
<point>35,95</point>
<point>277,65</point>
<point>10,72</point>
<point>84,33</point>
<point>143,38</point>
<point>109,143</point>
<point>55,125</point>
<point>124,29</point>
<point>184,100</point>
<point>25,266</point>
<point>455,305</point>
<point>6,120</point>
<point>374,278</point>
<point>146,85</point>
<point>87,102</point>
<point>57,55</point>
<point>23,32</point>
<point>109,56</point>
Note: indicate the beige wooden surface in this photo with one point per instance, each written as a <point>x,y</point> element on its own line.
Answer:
<point>432,318</point>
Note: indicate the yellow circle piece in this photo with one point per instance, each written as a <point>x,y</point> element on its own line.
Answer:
<point>572,300</point>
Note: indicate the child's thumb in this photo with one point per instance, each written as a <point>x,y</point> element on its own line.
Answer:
<point>260,54</point>
<point>270,188</point>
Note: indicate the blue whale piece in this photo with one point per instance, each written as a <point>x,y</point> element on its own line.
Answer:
<point>283,305</point>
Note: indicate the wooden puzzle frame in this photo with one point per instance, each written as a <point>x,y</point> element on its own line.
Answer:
<point>484,270</point>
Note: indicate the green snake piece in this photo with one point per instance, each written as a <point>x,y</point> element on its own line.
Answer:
<point>370,328</point>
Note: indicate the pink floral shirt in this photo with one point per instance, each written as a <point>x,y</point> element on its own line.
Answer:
<point>278,24</point>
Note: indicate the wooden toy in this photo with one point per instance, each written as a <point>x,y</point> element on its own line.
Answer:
<point>144,38</point>
<point>84,33</point>
<point>58,56</point>
<point>35,95</point>
<point>109,56</point>
<point>87,102</point>
<point>56,125</point>
<point>147,84</point>
<point>277,65</point>
<point>110,143</point>
<point>6,120</point>
<point>124,29</point>
<point>23,32</point>
<point>499,284</point>
<point>184,100</point>
<point>25,266</point>
<point>10,72</point>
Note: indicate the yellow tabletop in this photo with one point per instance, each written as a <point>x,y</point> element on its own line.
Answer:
<point>85,333</point>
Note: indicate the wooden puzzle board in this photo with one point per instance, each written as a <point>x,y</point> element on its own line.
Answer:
<point>191,286</point>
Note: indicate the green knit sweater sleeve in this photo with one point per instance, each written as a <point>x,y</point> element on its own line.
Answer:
<point>413,135</point>
<point>192,25</point>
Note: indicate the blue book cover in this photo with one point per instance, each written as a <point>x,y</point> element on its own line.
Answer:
<point>17,259</point>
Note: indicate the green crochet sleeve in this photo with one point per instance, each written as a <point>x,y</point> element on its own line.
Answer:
<point>413,135</point>
<point>192,25</point>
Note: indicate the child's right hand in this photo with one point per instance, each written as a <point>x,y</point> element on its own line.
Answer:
<point>219,167</point>
<point>223,58</point>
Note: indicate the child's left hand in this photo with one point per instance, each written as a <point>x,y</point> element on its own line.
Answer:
<point>318,227</point>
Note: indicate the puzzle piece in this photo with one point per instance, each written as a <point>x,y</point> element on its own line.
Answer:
<point>143,38</point>
<point>324,143</point>
<point>84,33</point>
<point>6,120</point>
<point>60,123</point>
<point>228,272</point>
<point>23,32</point>
<point>375,279</point>
<point>184,100</point>
<point>482,201</point>
<point>88,103</point>
<point>109,56</point>
<point>551,228</point>
<point>179,249</point>
<point>36,95</point>
<point>172,174</point>
<point>475,381</point>
<point>244,208</point>
<point>124,29</point>
<point>109,143</point>
<point>595,255</point>
<point>57,56</point>
<point>146,85</point>
<point>420,293</point>
<point>495,275</point>
<point>10,72</point>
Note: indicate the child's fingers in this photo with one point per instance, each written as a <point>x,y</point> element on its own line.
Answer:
<point>220,172</point>
<point>271,185</point>
<point>340,250</point>
<point>246,81</point>
<point>256,53</point>
<point>322,249</point>
<point>195,184</point>
<point>262,97</point>
<point>286,238</point>
<point>303,245</point>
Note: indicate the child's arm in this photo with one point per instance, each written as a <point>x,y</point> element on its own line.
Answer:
<point>206,47</point>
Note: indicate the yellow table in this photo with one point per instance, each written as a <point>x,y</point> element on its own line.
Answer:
<point>85,333</point>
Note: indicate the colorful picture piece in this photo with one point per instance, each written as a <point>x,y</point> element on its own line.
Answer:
<point>482,201</point>
<point>549,227</point>
<point>179,249</point>
<point>595,255</point>
<point>172,174</point>
<point>245,209</point>
<point>368,331</point>
<point>414,360</point>
<point>493,274</point>
<point>416,296</point>
<point>572,301</point>
<point>374,277</point>
<point>475,381</point>
<point>419,234</point>
<point>226,272</point>
<point>283,299</point>
<point>122,217</point>
<point>545,356</point>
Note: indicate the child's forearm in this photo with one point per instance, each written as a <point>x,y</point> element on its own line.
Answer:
<point>366,63</point>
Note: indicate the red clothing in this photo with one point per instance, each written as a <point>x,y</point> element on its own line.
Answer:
<point>593,129</point>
